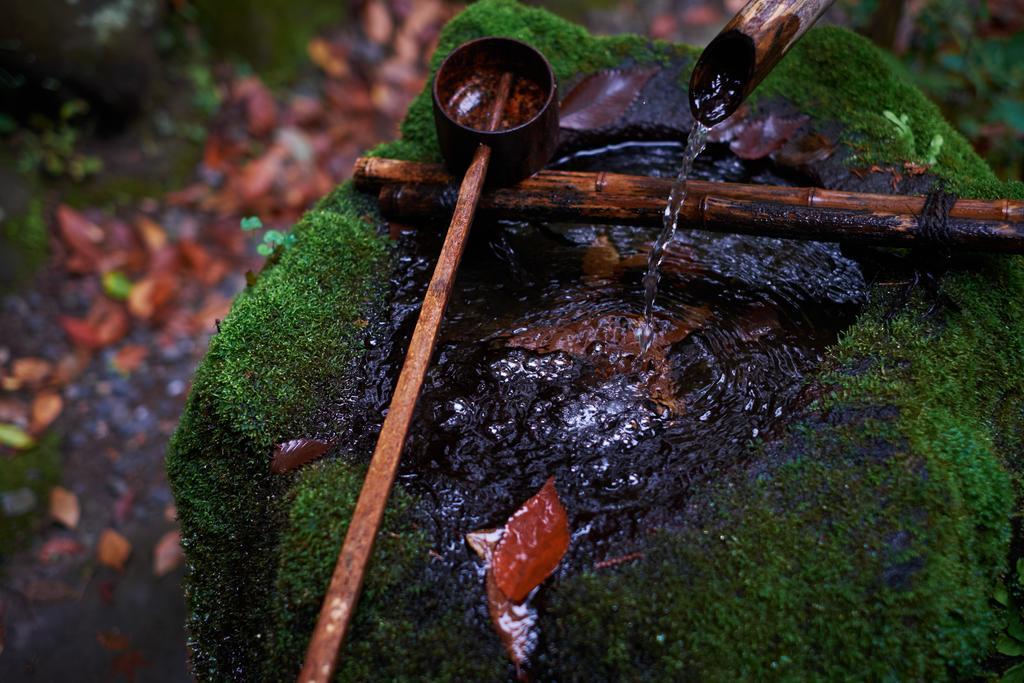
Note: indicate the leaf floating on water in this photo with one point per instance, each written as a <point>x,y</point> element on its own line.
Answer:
<point>293,454</point>
<point>602,98</point>
<point>535,539</point>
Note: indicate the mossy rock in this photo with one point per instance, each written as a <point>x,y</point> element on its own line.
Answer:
<point>867,542</point>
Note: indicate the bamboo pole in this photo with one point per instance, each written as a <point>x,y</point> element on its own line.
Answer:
<point>415,191</point>
<point>347,581</point>
<point>746,50</point>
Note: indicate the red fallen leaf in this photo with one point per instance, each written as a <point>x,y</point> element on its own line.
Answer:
<point>260,108</point>
<point>81,236</point>
<point>601,98</point>
<point>193,254</point>
<point>293,454</point>
<point>129,357</point>
<point>535,539</point>
<point>105,324</point>
<point>514,623</point>
<point>761,137</point>
<point>59,547</point>
<point>167,554</point>
<point>257,177</point>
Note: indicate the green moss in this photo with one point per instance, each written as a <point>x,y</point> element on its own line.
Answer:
<point>36,470</point>
<point>285,340</point>
<point>868,544</point>
<point>24,239</point>
<point>396,605</point>
<point>835,75</point>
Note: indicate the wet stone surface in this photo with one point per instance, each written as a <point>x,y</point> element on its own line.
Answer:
<point>537,371</point>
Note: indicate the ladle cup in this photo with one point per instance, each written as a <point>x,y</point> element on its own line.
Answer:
<point>493,97</point>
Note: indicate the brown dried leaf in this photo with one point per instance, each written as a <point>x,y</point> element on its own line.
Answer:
<point>105,324</point>
<point>82,238</point>
<point>167,554</point>
<point>601,258</point>
<point>30,371</point>
<point>150,294</point>
<point>151,233</point>
<point>64,507</point>
<point>805,150</point>
<point>113,550</point>
<point>293,454</point>
<point>260,108</point>
<point>377,23</point>
<point>601,98</point>
<point>129,357</point>
<point>45,409</point>
<point>761,137</point>
<point>535,539</point>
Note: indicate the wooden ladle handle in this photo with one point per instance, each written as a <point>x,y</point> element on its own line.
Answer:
<point>350,570</point>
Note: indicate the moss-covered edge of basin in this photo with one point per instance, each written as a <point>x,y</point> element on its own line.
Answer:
<point>870,546</point>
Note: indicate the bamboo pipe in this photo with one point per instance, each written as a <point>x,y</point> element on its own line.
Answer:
<point>746,51</point>
<point>350,570</point>
<point>417,191</point>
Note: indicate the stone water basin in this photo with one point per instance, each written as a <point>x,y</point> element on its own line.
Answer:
<point>810,474</point>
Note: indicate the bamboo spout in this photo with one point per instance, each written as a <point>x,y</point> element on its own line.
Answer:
<point>746,51</point>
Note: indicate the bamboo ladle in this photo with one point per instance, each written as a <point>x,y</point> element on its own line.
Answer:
<point>493,97</point>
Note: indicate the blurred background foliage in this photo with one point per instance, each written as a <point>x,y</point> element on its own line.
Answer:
<point>967,55</point>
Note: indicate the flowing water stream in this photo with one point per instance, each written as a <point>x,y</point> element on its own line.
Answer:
<point>535,372</point>
<point>695,144</point>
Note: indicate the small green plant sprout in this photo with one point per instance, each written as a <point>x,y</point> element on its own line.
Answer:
<point>905,133</point>
<point>250,223</point>
<point>272,239</point>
